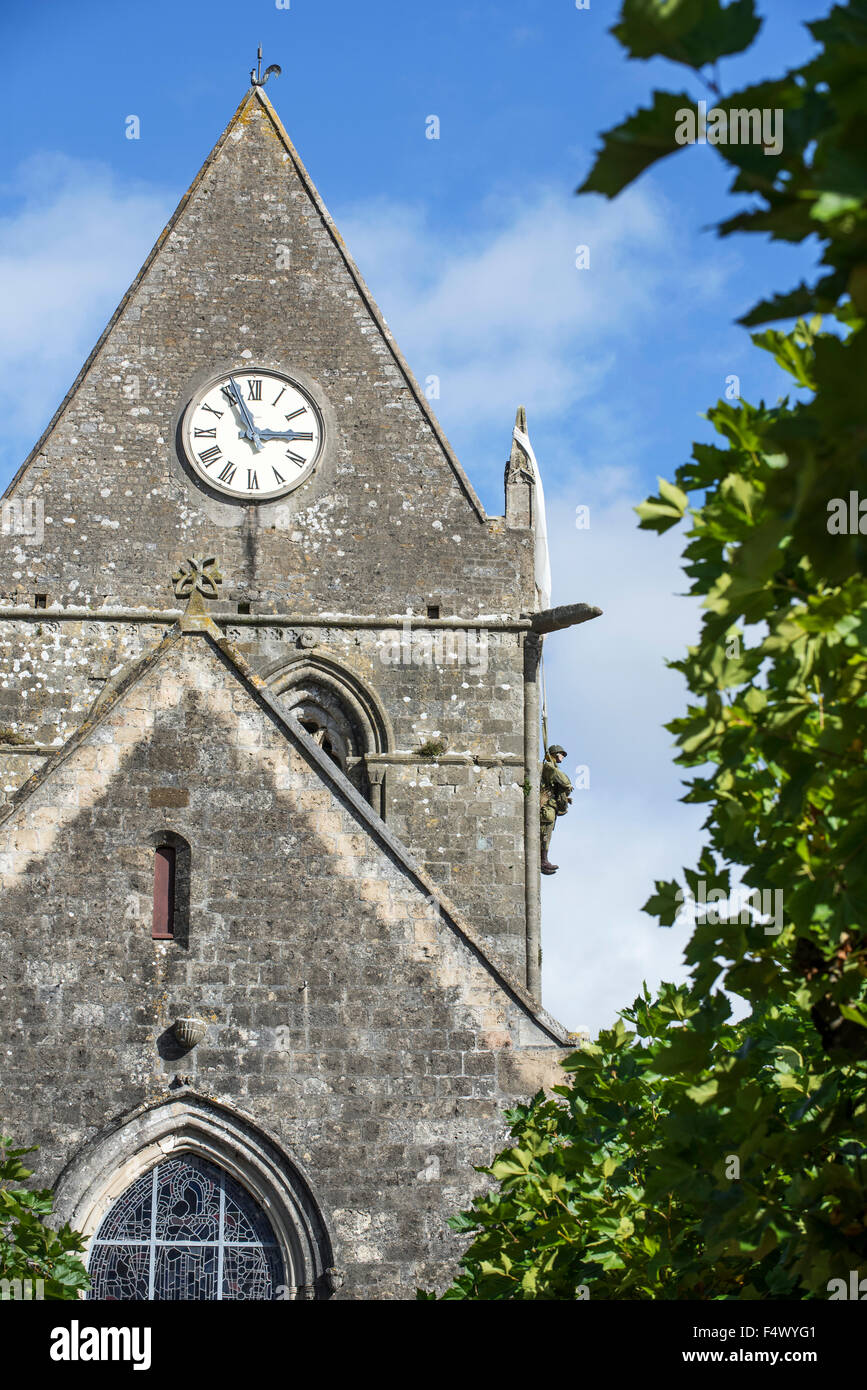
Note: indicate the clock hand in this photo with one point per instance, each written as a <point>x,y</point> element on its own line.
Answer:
<point>251,432</point>
<point>278,434</point>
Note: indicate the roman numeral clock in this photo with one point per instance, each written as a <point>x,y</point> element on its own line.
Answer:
<point>252,435</point>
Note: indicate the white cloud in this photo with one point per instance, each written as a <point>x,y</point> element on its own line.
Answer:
<point>503,315</point>
<point>73,239</point>
<point>610,694</point>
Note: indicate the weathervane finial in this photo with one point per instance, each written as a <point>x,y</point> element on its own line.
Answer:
<point>256,77</point>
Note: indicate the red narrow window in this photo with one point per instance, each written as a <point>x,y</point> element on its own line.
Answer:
<point>164,893</point>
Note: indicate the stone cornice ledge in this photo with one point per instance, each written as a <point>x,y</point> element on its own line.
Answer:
<point>552,620</point>
<point>169,616</point>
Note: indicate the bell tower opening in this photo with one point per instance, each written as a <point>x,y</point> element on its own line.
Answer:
<point>343,716</point>
<point>319,733</point>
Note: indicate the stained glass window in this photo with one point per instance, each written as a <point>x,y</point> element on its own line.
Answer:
<point>185,1230</point>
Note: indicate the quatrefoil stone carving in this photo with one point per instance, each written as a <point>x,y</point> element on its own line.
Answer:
<point>198,576</point>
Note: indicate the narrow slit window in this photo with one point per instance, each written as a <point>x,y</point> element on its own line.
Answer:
<point>164,893</point>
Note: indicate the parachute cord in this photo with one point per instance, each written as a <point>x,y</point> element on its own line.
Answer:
<point>544,701</point>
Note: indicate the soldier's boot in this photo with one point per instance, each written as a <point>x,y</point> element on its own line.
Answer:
<point>545,863</point>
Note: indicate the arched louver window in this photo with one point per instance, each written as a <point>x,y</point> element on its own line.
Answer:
<point>165,879</point>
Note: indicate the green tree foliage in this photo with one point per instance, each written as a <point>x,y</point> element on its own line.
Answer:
<point>29,1249</point>
<point>688,1156</point>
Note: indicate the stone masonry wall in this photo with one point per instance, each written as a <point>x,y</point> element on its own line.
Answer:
<point>462,820</point>
<point>386,1074</point>
<point>251,270</point>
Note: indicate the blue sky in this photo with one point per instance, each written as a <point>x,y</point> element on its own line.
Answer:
<point>468,243</point>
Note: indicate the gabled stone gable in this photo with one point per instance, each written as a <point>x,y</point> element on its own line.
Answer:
<point>387,526</point>
<point>252,265</point>
<point>462,817</point>
<point>359,1022</point>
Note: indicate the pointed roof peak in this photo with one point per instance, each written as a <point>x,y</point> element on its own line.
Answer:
<point>257,93</point>
<point>518,458</point>
<point>254,109</point>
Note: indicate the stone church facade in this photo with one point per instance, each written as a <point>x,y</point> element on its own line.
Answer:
<point>269,919</point>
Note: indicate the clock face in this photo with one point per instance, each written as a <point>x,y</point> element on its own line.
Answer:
<point>253,435</point>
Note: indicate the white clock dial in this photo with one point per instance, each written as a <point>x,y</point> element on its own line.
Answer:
<point>252,434</point>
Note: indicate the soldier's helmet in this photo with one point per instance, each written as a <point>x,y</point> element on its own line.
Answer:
<point>555,748</point>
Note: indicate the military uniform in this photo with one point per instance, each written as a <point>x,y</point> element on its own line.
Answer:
<point>554,798</point>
